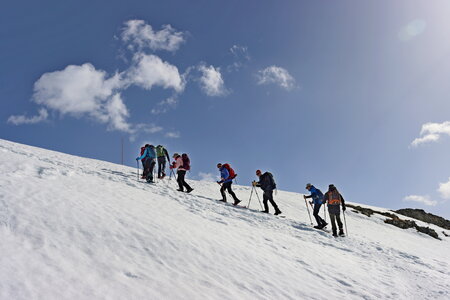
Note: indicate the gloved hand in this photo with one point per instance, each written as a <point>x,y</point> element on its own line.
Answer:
<point>218,182</point>
<point>137,158</point>
<point>304,197</point>
<point>310,203</point>
<point>171,167</point>
<point>254,183</point>
<point>343,207</point>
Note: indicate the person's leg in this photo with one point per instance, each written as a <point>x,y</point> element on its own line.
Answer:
<point>265,199</point>
<point>275,206</point>
<point>180,179</point>
<point>150,171</point>
<point>333,223</point>
<point>230,191</point>
<point>338,219</point>
<point>159,167</point>
<point>222,191</point>
<point>163,167</point>
<point>188,188</point>
<point>316,214</point>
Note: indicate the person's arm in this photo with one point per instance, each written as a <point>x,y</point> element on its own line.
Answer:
<point>143,155</point>
<point>167,154</point>
<point>224,174</point>
<point>309,196</point>
<point>343,203</point>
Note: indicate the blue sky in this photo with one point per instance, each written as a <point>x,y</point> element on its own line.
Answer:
<point>354,93</point>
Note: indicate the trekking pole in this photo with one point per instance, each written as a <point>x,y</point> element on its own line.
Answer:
<point>345,223</point>
<point>307,208</point>
<point>250,199</point>
<point>257,196</point>
<point>137,169</point>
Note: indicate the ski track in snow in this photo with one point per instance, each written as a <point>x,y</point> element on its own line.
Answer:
<point>77,228</point>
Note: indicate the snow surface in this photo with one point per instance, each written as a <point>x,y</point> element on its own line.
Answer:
<point>77,228</point>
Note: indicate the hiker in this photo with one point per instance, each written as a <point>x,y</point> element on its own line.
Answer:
<point>143,161</point>
<point>149,163</point>
<point>267,184</point>
<point>317,200</point>
<point>182,164</point>
<point>335,200</point>
<point>226,179</point>
<point>162,153</point>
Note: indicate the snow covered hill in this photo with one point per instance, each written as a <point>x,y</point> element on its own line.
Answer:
<point>77,228</point>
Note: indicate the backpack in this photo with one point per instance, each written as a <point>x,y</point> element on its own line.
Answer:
<point>334,198</point>
<point>186,162</point>
<point>230,170</point>
<point>271,180</point>
<point>159,151</point>
<point>142,151</point>
<point>151,152</point>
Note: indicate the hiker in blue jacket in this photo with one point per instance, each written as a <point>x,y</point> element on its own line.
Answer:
<point>149,155</point>
<point>317,200</point>
<point>226,180</point>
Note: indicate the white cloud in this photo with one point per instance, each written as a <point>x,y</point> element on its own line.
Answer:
<point>432,132</point>
<point>240,52</point>
<point>150,70</point>
<point>412,30</point>
<point>173,135</point>
<point>163,106</point>
<point>19,120</point>
<point>207,176</point>
<point>140,35</point>
<point>211,81</point>
<point>148,128</point>
<point>84,91</point>
<point>277,75</point>
<point>444,189</point>
<point>420,199</point>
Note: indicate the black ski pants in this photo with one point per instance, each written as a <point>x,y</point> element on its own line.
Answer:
<point>334,218</point>
<point>268,196</point>
<point>161,166</point>
<point>180,179</point>
<point>316,212</point>
<point>227,186</point>
<point>148,170</point>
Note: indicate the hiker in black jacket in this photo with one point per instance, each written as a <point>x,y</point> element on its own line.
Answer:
<point>267,184</point>
<point>335,201</point>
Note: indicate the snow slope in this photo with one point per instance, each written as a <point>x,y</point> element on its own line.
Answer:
<point>77,228</point>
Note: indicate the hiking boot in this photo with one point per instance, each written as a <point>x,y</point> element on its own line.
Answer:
<point>318,227</point>
<point>223,200</point>
<point>341,232</point>
<point>236,202</point>
<point>324,224</point>
<point>277,212</point>
<point>190,190</point>
<point>335,234</point>
<point>180,190</point>
<point>265,211</point>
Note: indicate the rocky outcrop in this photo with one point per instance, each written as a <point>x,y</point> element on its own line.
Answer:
<point>396,221</point>
<point>420,214</point>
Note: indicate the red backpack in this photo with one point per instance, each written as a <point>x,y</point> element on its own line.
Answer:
<point>186,162</point>
<point>230,170</point>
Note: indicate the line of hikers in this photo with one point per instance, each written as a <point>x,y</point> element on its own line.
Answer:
<point>150,154</point>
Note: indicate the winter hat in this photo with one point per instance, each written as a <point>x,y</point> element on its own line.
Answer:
<point>258,172</point>
<point>331,186</point>
<point>308,185</point>
<point>175,155</point>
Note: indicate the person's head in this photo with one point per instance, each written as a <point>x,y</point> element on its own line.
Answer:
<point>308,186</point>
<point>219,165</point>
<point>175,155</point>
<point>258,173</point>
<point>147,145</point>
<point>331,187</point>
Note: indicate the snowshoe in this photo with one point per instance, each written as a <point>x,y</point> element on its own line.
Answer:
<point>236,202</point>
<point>190,190</point>
<point>341,232</point>
<point>277,212</point>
